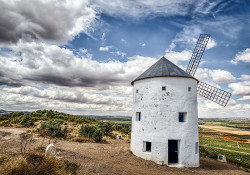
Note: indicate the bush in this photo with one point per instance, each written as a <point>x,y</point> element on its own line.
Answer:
<point>26,121</point>
<point>87,131</point>
<point>97,136</point>
<point>53,129</point>
<point>92,132</point>
<point>106,128</point>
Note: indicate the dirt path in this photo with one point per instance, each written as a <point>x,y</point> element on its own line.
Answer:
<point>227,149</point>
<point>226,129</point>
<point>113,158</point>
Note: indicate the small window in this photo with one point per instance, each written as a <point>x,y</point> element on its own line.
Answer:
<point>182,116</point>
<point>147,146</point>
<point>137,90</point>
<point>196,147</point>
<point>138,116</point>
<point>189,89</point>
<point>163,88</point>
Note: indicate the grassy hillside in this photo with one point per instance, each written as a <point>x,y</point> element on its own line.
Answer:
<point>53,124</point>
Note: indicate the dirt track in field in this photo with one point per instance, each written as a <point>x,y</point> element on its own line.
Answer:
<point>113,158</point>
<point>226,129</point>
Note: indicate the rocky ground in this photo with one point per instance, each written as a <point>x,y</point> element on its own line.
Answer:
<point>111,158</point>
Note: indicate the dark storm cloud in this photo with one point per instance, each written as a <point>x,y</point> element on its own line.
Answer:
<point>47,20</point>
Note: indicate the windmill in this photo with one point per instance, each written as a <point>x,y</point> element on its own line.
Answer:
<point>165,110</point>
<point>208,91</point>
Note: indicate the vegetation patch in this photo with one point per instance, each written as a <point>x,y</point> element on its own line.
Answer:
<point>238,159</point>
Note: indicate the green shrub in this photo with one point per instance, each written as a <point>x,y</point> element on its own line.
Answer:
<point>97,136</point>
<point>93,132</point>
<point>53,129</point>
<point>126,129</point>
<point>26,121</point>
<point>87,131</point>
<point>106,128</point>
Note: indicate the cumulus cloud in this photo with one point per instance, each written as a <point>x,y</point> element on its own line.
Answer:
<point>46,20</point>
<point>69,95</point>
<point>221,76</point>
<point>50,64</point>
<point>244,98</point>
<point>177,57</point>
<point>211,43</point>
<point>209,109</point>
<point>54,98</point>
<point>240,88</point>
<point>106,48</point>
<point>214,75</point>
<point>243,56</point>
<point>245,77</point>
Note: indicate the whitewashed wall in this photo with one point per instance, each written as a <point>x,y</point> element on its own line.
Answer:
<point>160,118</point>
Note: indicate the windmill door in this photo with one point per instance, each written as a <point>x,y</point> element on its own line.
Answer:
<point>172,151</point>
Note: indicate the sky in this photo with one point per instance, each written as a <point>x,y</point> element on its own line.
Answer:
<point>80,56</point>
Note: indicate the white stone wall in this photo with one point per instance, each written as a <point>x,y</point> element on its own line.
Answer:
<point>160,118</point>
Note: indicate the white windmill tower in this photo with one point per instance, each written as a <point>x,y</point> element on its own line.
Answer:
<point>165,117</point>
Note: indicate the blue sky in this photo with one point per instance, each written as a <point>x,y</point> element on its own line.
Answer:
<point>79,57</point>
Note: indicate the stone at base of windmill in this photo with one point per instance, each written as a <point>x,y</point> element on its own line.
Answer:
<point>160,163</point>
<point>50,150</point>
<point>222,158</point>
<point>119,137</point>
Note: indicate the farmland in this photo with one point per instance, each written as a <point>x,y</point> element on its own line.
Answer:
<point>226,137</point>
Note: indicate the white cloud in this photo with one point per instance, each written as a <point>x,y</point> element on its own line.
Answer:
<point>141,9</point>
<point>211,43</point>
<point>202,74</point>
<point>172,46</point>
<point>221,76</point>
<point>118,53</point>
<point>65,100</point>
<point>103,37</point>
<point>243,56</point>
<point>188,36</point>
<point>142,44</point>
<point>106,48</point>
<point>245,77</point>
<point>244,98</point>
<point>240,88</point>
<point>177,57</point>
<point>209,109</point>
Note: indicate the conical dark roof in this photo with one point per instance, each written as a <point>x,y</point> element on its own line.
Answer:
<point>163,68</point>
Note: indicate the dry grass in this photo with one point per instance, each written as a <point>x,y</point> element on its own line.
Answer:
<point>35,164</point>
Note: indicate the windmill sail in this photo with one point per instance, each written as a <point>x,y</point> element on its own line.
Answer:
<point>197,54</point>
<point>213,93</point>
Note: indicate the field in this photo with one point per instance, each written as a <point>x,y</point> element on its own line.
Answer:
<point>226,137</point>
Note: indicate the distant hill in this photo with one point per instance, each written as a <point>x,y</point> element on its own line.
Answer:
<point>4,112</point>
<point>115,119</point>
